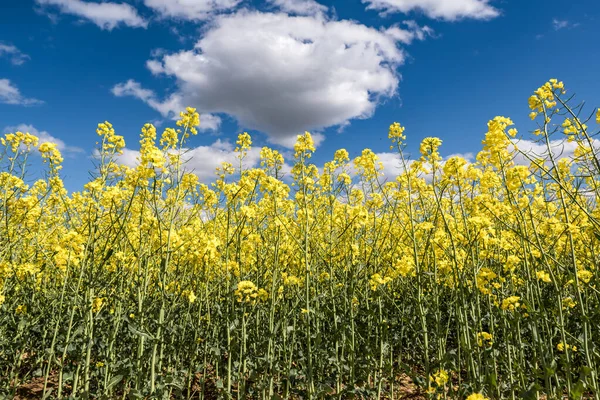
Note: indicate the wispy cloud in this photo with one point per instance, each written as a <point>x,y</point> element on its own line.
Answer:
<point>106,15</point>
<point>191,10</point>
<point>10,94</point>
<point>559,24</point>
<point>168,107</point>
<point>13,53</point>
<point>45,137</point>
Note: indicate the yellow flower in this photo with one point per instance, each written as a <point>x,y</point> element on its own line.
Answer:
<point>263,295</point>
<point>189,119</point>
<point>18,139</point>
<point>440,377</point>
<point>485,339</point>
<point>510,303</point>
<point>368,165</point>
<point>304,146</point>
<point>585,275</point>
<point>544,97</point>
<point>377,280</point>
<point>543,276</point>
<point>485,279</point>
<point>246,292</point>
<point>568,302</point>
<point>244,142</point>
<point>396,133</point>
<point>290,280</point>
<point>51,154</point>
<point>405,266</point>
<point>191,297</point>
<point>341,156</point>
<point>97,304</point>
<point>429,149</point>
<point>169,138</point>
<point>324,276</point>
<point>21,309</point>
<point>477,396</point>
<point>111,143</point>
<point>562,346</point>
<point>271,158</point>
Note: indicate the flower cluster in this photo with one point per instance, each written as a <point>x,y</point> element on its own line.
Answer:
<point>480,276</point>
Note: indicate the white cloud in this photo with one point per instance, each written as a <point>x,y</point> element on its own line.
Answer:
<point>106,15</point>
<point>392,164</point>
<point>412,33</point>
<point>467,156</point>
<point>134,89</point>
<point>283,75</point>
<point>450,10</point>
<point>191,9</point>
<point>10,94</point>
<point>203,160</point>
<point>169,107</point>
<point>15,55</point>
<point>299,7</point>
<point>129,157</point>
<point>559,24</point>
<point>290,141</point>
<point>45,137</point>
<point>560,149</point>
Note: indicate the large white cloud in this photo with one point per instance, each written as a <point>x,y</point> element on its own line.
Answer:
<point>450,10</point>
<point>190,9</point>
<point>106,15</point>
<point>283,74</point>
<point>44,137</point>
<point>10,94</point>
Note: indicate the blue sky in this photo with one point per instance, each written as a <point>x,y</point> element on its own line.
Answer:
<point>342,69</point>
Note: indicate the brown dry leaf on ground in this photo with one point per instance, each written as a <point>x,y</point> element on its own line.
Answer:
<point>404,389</point>
<point>31,390</point>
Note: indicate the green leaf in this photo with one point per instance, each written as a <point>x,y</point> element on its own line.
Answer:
<point>113,381</point>
<point>531,393</point>
<point>492,380</point>
<point>139,333</point>
<point>585,371</point>
<point>577,390</point>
